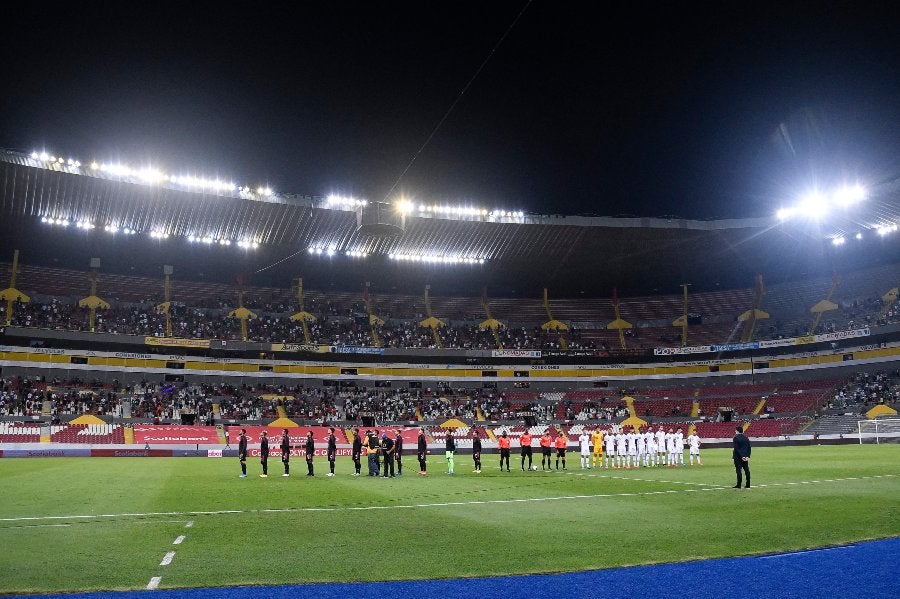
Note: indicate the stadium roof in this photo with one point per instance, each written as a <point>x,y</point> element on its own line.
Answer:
<point>185,221</point>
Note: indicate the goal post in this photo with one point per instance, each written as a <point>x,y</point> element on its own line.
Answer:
<point>879,430</point>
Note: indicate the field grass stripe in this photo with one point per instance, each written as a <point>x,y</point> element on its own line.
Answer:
<point>423,505</point>
<point>179,540</point>
<point>154,582</point>
<point>189,524</point>
<point>167,559</point>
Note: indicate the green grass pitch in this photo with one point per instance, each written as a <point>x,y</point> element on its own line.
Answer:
<point>299,529</point>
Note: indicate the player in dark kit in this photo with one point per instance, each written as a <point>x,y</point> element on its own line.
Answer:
<point>242,452</point>
<point>286,452</point>
<point>476,453</point>
<point>423,452</point>
<point>332,451</point>
<point>398,452</point>
<point>356,453</point>
<point>387,450</point>
<point>264,454</point>
<point>309,452</point>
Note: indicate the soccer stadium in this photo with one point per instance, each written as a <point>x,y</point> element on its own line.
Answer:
<point>149,319</point>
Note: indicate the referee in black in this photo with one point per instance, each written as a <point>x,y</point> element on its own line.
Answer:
<point>309,450</point>
<point>264,454</point>
<point>242,452</point>
<point>332,451</point>
<point>286,452</point>
<point>356,453</point>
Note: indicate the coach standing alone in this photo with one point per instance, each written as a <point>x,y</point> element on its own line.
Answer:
<point>741,456</point>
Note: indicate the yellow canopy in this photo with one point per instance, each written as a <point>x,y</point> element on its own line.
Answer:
<point>823,306</point>
<point>283,423</point>
<point>303,316</point>
<point>94,302</point>
<point>492,324</point>
<point>87,419</point>
<point>241,313</point>
<point>432,323</point>
<point>619,324</point>
<point>555,325</point>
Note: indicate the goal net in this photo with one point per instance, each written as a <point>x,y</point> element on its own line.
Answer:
<point>879,430</point>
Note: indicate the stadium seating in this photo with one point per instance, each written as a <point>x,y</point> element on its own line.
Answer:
<point>17,432</point>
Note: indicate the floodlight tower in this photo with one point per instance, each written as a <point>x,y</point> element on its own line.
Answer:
<point>431,322</point>
<point>92,302</point>
<point>166,307</point>
<point>374,321</point>
<point>11,295</point>
<point>554,325</point>
<point>303,316</point>
<point>491,324</point>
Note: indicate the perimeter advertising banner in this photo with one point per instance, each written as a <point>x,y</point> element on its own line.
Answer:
<point>175,435</point>
<point>176,342</point>
<point>515,353</point>
<point>701,349</point>
<point>302,347</point>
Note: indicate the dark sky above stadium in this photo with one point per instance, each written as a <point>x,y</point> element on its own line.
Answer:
<point>651,109</point>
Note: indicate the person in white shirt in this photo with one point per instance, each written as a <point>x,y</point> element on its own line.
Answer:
<point>661,446</point>
<point>641,447</point>
<point>610,439</point>
<point>679,447</point>
<point>694,445</point>
<point>631,444</point>
<point>670,447</point>
<point>621,449</point>
<point>584,440</point>
<point>650,457</point>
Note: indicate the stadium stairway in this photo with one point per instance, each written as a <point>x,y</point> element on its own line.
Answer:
<point>479,414</point>
<point>220,434</point>
<point>419,416</point>
<point>695,409</point>
<point>217,411</point>
<point>128,431</point>
<point>629,402</point>
<point>279,409</point>
<point>759,407</point>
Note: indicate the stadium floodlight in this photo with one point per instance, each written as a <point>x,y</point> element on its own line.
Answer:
<point>44,156</point>
<point>838,241</point>
<point>859,235</point>
<point>405,206</point>
<point>849,195</point>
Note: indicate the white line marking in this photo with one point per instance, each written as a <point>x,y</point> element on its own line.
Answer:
<point>190,524</point>
<point>35,526</point>
<point>412,505</point>
<point>154,582</point>
<point>167,559</point>
<point>178,540</point>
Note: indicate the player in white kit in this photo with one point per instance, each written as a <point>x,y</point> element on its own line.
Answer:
<point>621,449</point>
<point>679,447</point>
<point>650,457</point>
<point>641,448</point>
<point>631,446</point>
<point>610,440</point>
<point>584,442</point>
<point>694,447</point>
<point>661,446</point>
<point>670,448</point>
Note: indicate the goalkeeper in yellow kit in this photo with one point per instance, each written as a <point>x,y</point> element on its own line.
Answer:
<point>597,440</point>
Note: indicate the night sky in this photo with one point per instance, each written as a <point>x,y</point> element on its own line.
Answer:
<point>654,109</point>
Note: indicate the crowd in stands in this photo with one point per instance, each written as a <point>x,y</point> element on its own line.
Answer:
<point>866,390</point>
<point>348,324</point>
